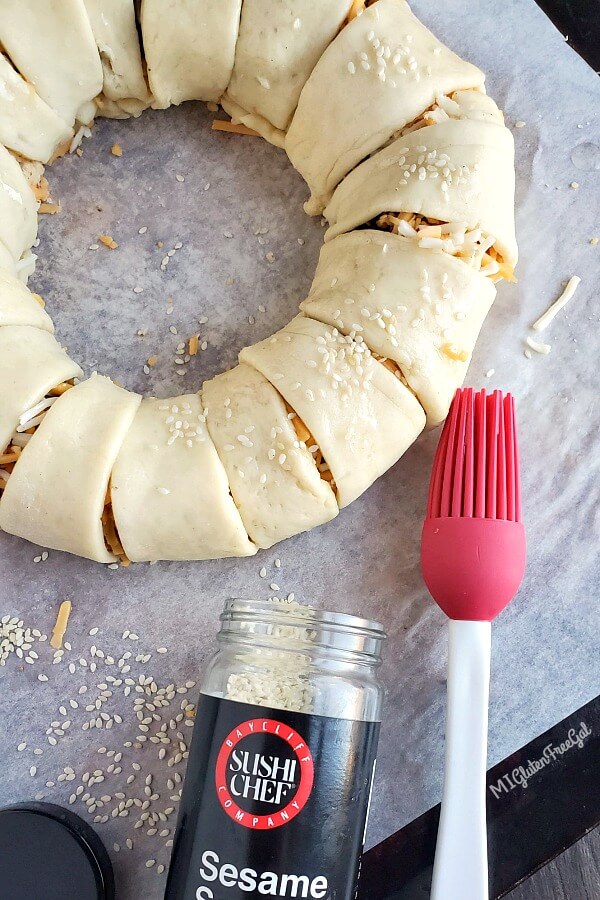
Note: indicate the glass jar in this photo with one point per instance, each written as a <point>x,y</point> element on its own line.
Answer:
<point>282,760</point>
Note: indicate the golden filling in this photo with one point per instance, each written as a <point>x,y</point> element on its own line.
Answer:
<point>358,7</point>
<point>391,366</point>
<point>111,535</point>
<point>11,455</point>
<point>306,438</point>
<point>395,369</point>
<point>448,106</point>
<point>471,245</point>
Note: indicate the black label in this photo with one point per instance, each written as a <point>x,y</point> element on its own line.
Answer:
<point>275,804</point>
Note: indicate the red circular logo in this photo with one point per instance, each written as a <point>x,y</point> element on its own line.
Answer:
<point>264,774</point>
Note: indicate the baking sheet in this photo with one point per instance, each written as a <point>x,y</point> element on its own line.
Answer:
<point>545,645</point>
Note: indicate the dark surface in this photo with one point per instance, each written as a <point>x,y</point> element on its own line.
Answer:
<point>48,852</point>
<point>574,875</point>
<point>540,801</point>
<point>579,22</point>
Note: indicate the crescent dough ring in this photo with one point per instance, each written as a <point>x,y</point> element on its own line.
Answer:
<point>32,362</point>
<point>27,124</point>
<point>420,308</point>
<point>189,48</point>
<point>18,207</point>
<point>18,305</point>
<point>115,32</point>
<point>362,417</point>
<point>352,105</point>
<point>278,46</point>
<point>53,47</point>
<point>169,491</point>
<point>273,477</point>
<point>56,494</point>
<point>458,171</point>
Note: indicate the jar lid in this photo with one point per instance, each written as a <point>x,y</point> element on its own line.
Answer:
<point>44,844</point>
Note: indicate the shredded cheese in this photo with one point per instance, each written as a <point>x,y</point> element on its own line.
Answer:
<point>108,241</point>
<point>233,127</point>
<point>545,319</point>
<point>152,360</point>
<point>455,238</point>
<point>358,6</point>
<point>193,345</point>
<point>61,150</point>
<point>48,209</point>
<point>41,190</point>
<point>116,150</point>
<point>39,299</point>
<point>538,346</point>
<point>306,437</point>
<point>453,352</point>
<point>11,456</point>
<point>62,620</point>
<point>61,388</point>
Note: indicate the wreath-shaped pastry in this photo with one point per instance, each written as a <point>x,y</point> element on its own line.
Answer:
<point>411,164</point>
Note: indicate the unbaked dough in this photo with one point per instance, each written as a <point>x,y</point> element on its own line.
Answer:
<point>273,477</point>
<point>396,139</point>
<point>56,494</point>
<point>362,417</point>
<point>381,72</point>
<point>189,48</point>
<point>170,494</point>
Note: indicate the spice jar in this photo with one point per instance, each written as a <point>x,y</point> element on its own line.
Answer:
<point>281,765</point>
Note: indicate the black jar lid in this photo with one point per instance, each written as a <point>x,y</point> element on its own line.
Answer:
<point>47,851</point>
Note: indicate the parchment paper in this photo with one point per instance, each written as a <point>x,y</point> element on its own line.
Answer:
<point>545,654</point>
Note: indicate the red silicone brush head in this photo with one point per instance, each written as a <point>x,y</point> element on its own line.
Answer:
<point>473,544</point>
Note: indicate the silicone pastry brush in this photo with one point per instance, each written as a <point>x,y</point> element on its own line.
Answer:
<point>473,560</point>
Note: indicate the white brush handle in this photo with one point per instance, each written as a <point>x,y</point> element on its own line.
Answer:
<point>460,869</point>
